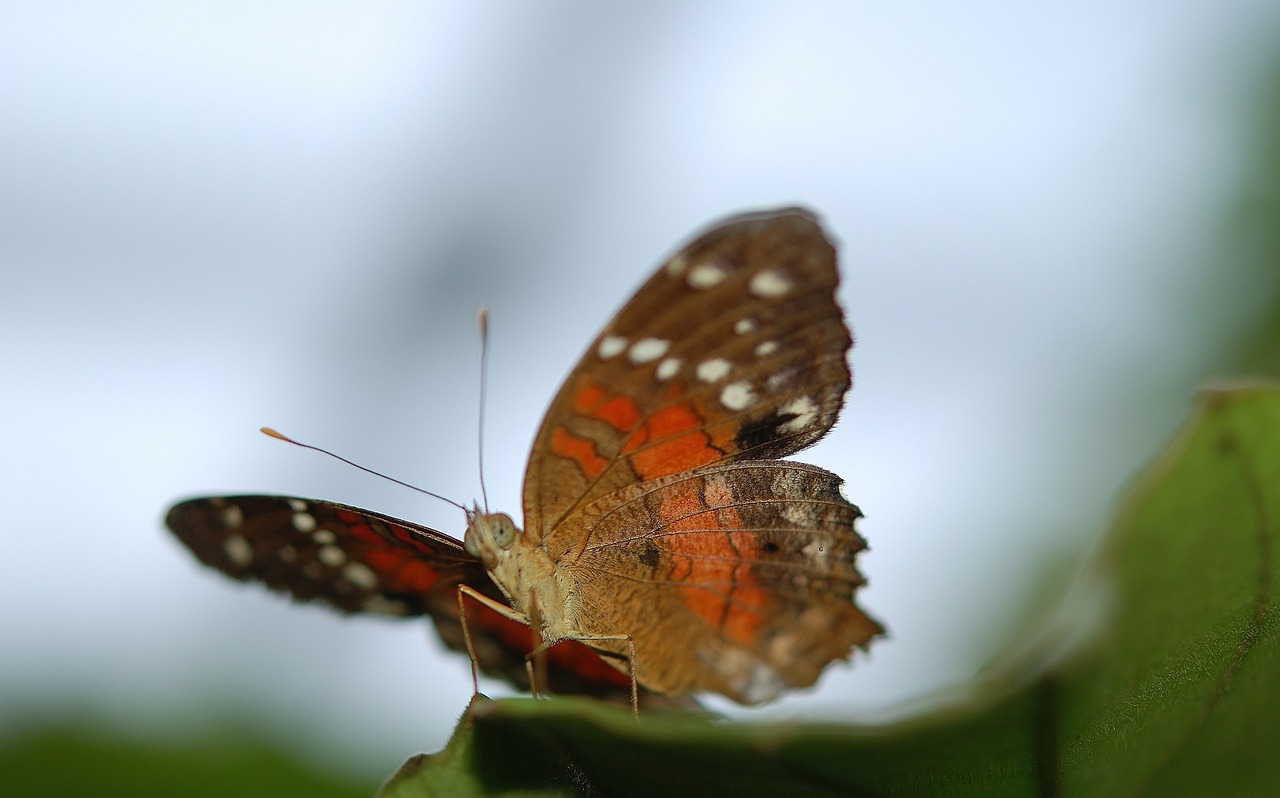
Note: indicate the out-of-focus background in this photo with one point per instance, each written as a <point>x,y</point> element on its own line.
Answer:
<point>1053,222</point>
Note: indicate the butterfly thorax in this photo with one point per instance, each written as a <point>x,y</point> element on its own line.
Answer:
<point>524,571</point>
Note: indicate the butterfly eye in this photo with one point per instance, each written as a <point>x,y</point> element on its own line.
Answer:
<point>504,531</point>
<point>488,534</point>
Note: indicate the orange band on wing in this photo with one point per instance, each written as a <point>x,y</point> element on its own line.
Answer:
<point>588,397</point>
<point>580,450</point>
<point>619,412</point>
<point>401,570</point>
<point>713,556</point>
<point>359,527</point>
<point>671,441</point>
<point>398,566</point>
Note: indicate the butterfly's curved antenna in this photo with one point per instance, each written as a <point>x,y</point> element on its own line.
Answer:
<point>287,439</point>
<point>482,322</point>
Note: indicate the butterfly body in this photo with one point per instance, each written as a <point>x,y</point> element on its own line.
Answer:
<point>661,528</point>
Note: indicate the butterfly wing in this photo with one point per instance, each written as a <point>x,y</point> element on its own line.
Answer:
<point>736,578</point>
<point>358,561</point>
<point>655,480</point>
<point>351,559</point>
<point>734,349</point>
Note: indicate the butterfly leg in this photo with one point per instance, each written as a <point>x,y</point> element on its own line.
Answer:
<point>588,639</point>
<point>543,645</point>
<point>466,638</point>
<point>535,663</point>
<point>501,609</point>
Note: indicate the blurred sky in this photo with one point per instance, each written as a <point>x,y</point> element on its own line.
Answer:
<point>219,216</point>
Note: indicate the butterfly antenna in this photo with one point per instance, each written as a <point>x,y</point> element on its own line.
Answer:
<point>482,322</point>
<point>287,439</point>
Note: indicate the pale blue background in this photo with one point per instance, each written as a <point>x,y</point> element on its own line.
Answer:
<point>218,216</point>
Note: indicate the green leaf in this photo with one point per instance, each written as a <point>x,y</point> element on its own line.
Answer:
<point>1184,697</point>
<point>82,760</point>
<point>1172,689</point>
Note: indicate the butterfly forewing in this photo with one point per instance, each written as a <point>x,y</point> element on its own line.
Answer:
<point>734,349</point>
<point>352,559</point>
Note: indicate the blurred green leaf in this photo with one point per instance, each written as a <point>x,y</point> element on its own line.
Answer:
<point>56,761</point>
<point>1250,247</point>
<point>1178,695</point>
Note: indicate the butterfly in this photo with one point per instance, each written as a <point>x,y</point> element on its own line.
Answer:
<point>665,543</point>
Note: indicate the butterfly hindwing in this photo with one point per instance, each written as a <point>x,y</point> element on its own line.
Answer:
<point>736,578</point>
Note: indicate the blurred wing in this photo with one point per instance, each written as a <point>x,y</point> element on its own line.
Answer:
<point>355,560</point>
<point>734,350</point>
<point>351,559</point>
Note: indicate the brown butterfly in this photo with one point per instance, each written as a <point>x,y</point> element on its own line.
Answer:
<point>661,530</point>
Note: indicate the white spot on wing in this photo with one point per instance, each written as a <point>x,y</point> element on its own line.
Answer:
<point>797,515</point>
<point>331,556</point>
<point>766,348</point>
<point>713,369</point>
<point>238,550</point>
<point>805,411</point>
<point>323,536</point>
<point>668,368</point>
<point>705,275</point>
<point>788,483</point>
<point>297,505</point>
<point>779,379</point>
<point>737,395</point>
<point>303,521</point>
<point>676,266</point>
<point>769,283</point>
<point>360,575</point>
<point>755,680</point>
<point>648,349</point>
<point>611,345</point>
<point>232,517</point>
<point>744,326</point>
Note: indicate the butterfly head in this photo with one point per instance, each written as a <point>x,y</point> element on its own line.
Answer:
<point>489,536</point>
